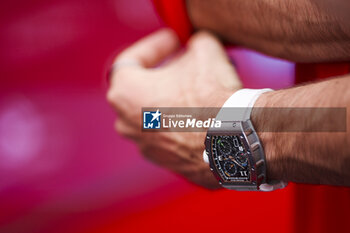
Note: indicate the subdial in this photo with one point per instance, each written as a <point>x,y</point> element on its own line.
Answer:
<point>224,146</point>
<point>230,168</point>
<point>241,157</point>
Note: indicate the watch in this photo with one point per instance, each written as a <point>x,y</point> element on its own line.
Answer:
<point>233,150</point>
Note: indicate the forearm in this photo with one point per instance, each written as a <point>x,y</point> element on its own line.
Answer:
<point>297,30</point>
<point>307,156</point>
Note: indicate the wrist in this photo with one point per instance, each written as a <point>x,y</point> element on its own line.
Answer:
<point>265,125</point>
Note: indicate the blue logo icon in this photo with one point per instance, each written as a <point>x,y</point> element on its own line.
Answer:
<point>151,120</point>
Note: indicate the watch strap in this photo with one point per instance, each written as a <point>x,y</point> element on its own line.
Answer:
<point>239,106</point>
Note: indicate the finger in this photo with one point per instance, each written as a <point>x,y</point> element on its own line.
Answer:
<point>126,130</point>
<point>204,50</point>
<point>152,49</point>
<point>206,45</point>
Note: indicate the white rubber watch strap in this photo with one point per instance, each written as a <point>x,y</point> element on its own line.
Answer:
<point>243,99</point>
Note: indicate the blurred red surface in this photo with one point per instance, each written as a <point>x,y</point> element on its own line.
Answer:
<point>62,166</point>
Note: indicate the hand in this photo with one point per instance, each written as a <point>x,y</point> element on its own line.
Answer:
<point>200,76</point>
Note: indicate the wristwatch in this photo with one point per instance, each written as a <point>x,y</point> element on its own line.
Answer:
<point>233,150</point>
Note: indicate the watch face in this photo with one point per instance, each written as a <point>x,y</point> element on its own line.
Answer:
<point>230,157</point>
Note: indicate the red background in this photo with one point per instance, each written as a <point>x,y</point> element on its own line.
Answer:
<point>62,166</point>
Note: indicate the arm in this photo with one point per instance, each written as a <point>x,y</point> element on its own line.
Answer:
<point>307,157</point>
<point>202,76</point>
<point>298,30</point>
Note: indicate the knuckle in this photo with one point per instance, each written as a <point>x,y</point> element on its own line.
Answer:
<point>110,96</point>
<point>126,130</point>
<point>121,128</point>
<point>118,91</point>
<point>115,96</point>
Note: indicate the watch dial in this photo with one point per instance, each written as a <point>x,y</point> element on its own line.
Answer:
<point>230,157</point>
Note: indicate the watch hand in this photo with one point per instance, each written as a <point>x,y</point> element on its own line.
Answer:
<point>237,163</point>
<point>220,142</point>
<point>231,157</point>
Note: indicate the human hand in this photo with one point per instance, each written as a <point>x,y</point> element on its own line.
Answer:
<point>201,76</point>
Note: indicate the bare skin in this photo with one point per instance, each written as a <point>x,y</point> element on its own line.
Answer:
<point>203,72</point>
<point>307,157</point>
<point>297,30</point>
<point>175,85</point>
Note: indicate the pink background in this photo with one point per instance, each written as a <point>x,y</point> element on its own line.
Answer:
<point>62,166</point>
